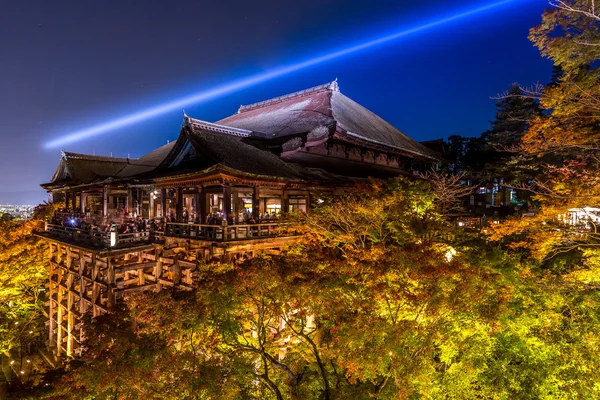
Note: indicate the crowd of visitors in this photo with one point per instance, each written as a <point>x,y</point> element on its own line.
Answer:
<point>123,223</point>
<point>217,218</point>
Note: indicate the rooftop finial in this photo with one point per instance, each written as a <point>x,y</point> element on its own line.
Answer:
<point>186,119</point>
<point>334,85</point>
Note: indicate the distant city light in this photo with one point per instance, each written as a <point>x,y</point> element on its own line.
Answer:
<point>252,80</point>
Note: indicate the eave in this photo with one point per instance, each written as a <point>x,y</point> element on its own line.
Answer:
<point>362,141</point>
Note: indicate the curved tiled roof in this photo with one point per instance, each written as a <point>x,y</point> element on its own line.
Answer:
<point>317,108</point>
<point>200,147</point>
<point>81,169</point>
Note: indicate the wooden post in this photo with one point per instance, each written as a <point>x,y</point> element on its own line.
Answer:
<point>158,270</point>
<point>163,202</point>
<point>197,208</point>
<point>138,203</point>
<point>82,303</point>
<point>59,312</point>
<point>129,202</point>
<point>151,205</point>
<point>82,197</point>
<point>256,203</point>
<point>203,209</point>
<point>179,205</point>
<point>226,202</point>
<point>52,290</point>
<point>105,201</point>
<point>70,315</point>
<point>285,201</point>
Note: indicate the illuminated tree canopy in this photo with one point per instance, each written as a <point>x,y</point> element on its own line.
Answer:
<point>382,296</point>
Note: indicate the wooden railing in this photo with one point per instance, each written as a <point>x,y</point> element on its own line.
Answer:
<point>68,214</point>
<point>80,235</point>
<point>96,238</point>
<point>220,233</point>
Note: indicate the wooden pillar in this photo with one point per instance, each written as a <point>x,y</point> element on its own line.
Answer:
<point>285,201</point>
<point>256,203</point>
<point>105,201</point>
<point>70,314</point>
<point>197,208</point>
<point>52,290</point>
<point>59,311</point>
<point>226,202</point>
<point>179,205</point>
<point>129,201</point>
<point>110,280</point>
<point>82,197</point>
<point>163,202</point>
<point>138,203</point>
<point>158,270</point>
<point>203,210</point>
<point>95,287</point>
<point>82,303</point>
<point>66,200</point>
<point>151,205</point>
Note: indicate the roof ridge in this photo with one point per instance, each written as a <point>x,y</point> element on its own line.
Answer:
<point>210,126</point>
<point>331,86</point>
<point>82,156</point>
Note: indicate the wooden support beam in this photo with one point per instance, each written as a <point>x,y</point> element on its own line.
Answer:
<point>226,203</point>
<point>163,202</point>
<point>151,206</point>
<point>138,202</point>
<point>134,267</point>
<point>59,313</point>
<point>179,205</point>
<point>256,203</point>
<point>105,201</point>
<point>158,270</point>
<point>285,201</point>
<point>82,197</point>
<point>51,294</point>
<point>129,201</point>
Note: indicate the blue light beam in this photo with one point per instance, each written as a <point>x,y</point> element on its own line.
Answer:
<point>252,80</point>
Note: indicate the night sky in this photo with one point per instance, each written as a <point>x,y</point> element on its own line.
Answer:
<point>66,65</point>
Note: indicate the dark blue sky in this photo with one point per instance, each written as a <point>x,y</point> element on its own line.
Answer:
<point>68,65</point>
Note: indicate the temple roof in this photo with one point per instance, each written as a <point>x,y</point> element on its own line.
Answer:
<point>321,109</point>
<point>81,169</point>
<point>202,145</point>
<point>243,142</point>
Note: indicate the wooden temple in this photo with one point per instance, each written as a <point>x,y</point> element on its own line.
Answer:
<point>216,193</point>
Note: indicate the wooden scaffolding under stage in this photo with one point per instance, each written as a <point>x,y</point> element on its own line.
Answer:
<point>88,280</point>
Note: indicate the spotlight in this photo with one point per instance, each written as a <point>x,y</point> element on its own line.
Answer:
<point>243,83</point>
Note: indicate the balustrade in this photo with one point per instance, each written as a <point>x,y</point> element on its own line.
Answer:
<point>97,238</point>
<point>220,233</point>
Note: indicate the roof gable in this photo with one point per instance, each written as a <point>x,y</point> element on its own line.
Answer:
<point>301,112</point>
<point>316,110</point>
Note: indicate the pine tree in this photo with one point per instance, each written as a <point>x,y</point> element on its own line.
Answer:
<point>514,112</point>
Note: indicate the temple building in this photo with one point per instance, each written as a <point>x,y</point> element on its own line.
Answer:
<point>215,193</point>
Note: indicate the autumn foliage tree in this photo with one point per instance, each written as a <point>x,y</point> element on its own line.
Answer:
<point>22,294</point>
<point>564,140</point>
<point>378,299</point>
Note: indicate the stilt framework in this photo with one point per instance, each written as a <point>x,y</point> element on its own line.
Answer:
<point>83,280</point>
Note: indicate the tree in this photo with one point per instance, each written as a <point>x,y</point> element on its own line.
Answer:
<point>514,112</point>
<point>22,295</point>
<point>564,141</point>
